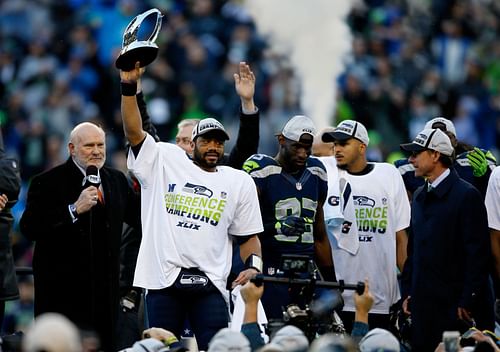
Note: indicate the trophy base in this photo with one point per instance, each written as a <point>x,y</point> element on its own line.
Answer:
<point>144,54</point>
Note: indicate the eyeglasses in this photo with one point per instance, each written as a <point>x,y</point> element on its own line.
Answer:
<point>414,154</point>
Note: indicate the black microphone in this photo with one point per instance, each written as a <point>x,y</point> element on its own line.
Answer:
<point>91,177</point>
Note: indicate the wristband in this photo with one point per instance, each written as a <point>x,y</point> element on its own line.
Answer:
<point>73,212</point>
<point>254,262</point>
<point>129,89</point>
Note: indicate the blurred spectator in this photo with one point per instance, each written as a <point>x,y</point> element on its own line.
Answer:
<point>229,340</point>
<point>52,332</point>
<point>450,51</point>
<point>320,148</point>
<point>19,313</point>
<point>379,340</point>
<point>291,338</point>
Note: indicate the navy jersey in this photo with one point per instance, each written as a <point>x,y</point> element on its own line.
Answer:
<point>281,195</point>
<point>461,165</point>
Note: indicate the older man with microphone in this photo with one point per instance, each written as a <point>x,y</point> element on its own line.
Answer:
<point>75,214</point>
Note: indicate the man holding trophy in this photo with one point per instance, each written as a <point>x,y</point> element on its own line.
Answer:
<point>190,208</point>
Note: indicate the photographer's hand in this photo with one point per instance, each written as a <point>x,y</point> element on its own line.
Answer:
<point>165,336</point>
<point>363,304</point>
<point>250,293</point>
<point>480,336</point>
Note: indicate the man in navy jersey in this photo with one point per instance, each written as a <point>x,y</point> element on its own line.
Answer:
<point>472,164</point>
<point>292,188</point>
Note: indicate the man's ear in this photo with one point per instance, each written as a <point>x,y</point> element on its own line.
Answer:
<point>362,147</point>
<point>435,155</point>
<point>71,149</point>
<point>281,139</point>
<point>192,144</point>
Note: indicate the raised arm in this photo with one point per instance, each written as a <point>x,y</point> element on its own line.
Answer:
<point>248,134</point>
<point>132,123</point>
<point>244,83</point>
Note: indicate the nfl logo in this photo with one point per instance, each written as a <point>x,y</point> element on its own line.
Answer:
<point>223,195</point>
<point>270,271</point>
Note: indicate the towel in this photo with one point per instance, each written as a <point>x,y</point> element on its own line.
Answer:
<point>340,216</point>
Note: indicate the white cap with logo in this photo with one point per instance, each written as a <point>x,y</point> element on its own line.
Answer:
<point>430,138</point>
<point>442,124</point>
<point>297,126</point>
<point>345,130</point>
<point>208,125</point>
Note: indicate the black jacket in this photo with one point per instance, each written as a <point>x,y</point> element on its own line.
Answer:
<point>448,260</point>
<point>76,264</point>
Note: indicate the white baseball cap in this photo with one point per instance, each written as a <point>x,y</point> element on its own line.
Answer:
<point>442,124</point>
<point>208,125</point>
<point>430,138</point>
<point>345,130</point>
<point>297,126</point>
<point>291,338</point>
<point>379,340</point>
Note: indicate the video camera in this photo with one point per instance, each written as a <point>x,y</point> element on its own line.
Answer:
<point>313,315</point>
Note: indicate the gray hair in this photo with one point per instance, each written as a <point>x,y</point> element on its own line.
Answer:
<point>187,122</point>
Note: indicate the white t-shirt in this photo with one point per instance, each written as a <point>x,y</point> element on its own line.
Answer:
<point>381,208</point>
<point>492,199</point>
<point>188,214</point>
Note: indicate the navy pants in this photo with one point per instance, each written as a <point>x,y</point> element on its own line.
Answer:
<point>206,311</point>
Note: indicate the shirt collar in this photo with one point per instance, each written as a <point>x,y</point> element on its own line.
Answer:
<point>84,173</point>
<point>440,178</point>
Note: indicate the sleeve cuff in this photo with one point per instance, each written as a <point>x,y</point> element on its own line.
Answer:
<point>249,112</point>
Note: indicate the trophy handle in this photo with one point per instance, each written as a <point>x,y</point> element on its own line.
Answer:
<point>144,51</point>
<point>130,34</point>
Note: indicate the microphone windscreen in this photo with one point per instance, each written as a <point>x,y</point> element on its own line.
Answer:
<point>91,170</point>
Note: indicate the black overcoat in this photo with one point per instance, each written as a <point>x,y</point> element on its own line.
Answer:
<point>76,264</point>
<point>448,263</point>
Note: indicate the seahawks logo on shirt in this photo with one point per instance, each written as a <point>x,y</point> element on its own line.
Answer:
<point>363,201</point>
<point>197,189</point>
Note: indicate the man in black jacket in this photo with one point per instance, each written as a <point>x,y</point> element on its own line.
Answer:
<point>445,278</point>
<point>78,231</point>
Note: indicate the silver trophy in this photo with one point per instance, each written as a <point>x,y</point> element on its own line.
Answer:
<point>133,50</point>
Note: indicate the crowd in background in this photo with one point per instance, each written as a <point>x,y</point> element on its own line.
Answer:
<point>410,61</point>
